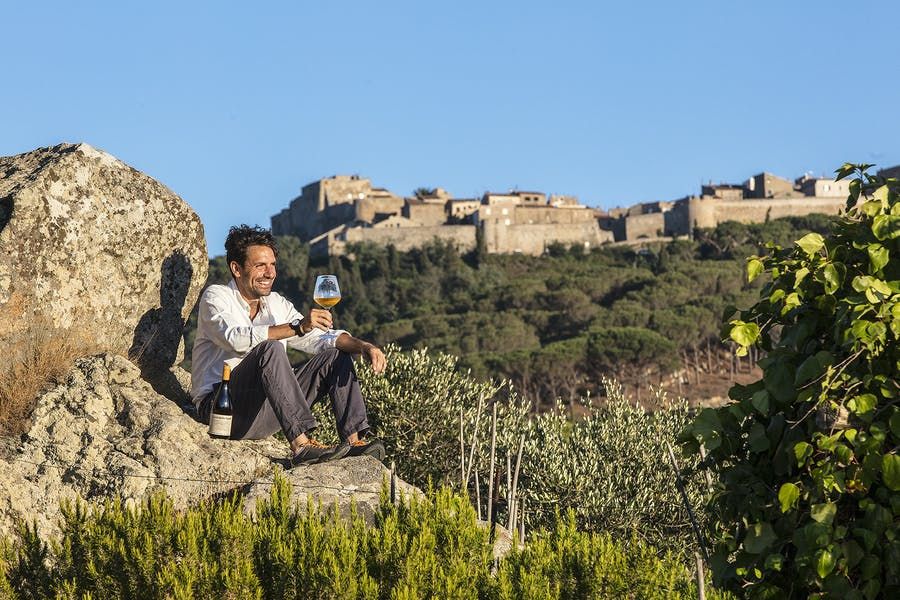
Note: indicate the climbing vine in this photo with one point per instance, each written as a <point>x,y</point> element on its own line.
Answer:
<point>808,495</point>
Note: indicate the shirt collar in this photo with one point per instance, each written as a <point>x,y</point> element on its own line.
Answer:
<point>237,294</point>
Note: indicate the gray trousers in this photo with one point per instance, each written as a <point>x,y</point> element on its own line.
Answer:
<point>268,394</point>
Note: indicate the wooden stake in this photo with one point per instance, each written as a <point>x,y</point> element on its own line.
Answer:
<point>521,511</point>
<point>393,483</point>
<point>509,499</point>
<point>463,483</point>
<point>687,504</point>
<point>474,443</point>
<point>701,580</point>
<point>515,485</point>
<point>477,496</point>
<point>490,505</point>
<point>709,481</point>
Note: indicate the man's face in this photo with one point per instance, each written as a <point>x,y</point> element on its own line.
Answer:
<point>255,277</point>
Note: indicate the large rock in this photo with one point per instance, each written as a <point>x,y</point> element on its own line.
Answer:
<point>104,431</point>
<point>87,240</point>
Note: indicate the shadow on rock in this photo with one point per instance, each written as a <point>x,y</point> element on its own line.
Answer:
<point>158,335</point>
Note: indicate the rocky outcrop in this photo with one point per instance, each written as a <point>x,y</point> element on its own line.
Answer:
<point>104,431</point>
<point>90,241</point>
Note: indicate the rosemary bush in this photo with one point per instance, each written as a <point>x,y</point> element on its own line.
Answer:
<point>419,548</point>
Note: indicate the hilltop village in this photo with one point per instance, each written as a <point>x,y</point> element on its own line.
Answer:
<point>331,213</point>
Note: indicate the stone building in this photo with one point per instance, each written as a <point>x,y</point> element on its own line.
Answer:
<point>761,197</point>
<point>333,212</point>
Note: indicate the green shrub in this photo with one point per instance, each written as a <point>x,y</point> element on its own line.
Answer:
<point>807,457</point>
<point>419,548</point>
<point>610,468</point>
<point>569,563</point>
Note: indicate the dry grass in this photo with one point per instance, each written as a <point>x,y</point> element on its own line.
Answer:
<point>36,355</point>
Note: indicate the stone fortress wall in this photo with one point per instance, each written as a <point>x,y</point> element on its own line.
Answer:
<point>333,212</point>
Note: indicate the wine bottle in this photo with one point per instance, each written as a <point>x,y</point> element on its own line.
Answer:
<point>220,418</point>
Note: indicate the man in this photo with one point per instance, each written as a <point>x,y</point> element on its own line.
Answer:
<point>246,322</point>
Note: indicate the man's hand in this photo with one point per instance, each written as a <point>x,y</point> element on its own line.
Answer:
<point>375,356</point>
<point>317,318</point>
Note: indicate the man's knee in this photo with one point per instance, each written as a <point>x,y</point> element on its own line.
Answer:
<point>270,350</point>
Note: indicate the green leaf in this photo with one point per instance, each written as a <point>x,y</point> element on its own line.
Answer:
<point>759,537</point>
<point>708,427</point>
<point>799,276</point>
<point>895,424</point>
<point>834,277</point>
<point>824,563</point>
<point>760,401</point>
<point>754,268</point>
<point>886,227</point>
<point>802,451</point>
<point>890,470</point>
<point>862,404</point>
<point>845,170</point>
<point>878,257</point>
<point>853,552</point>
<point>757,439</point>
<point>744,334</point>
<point>813,367</point>
<point>811,243</point>
<point>823,513</point>
<point>788,495</point>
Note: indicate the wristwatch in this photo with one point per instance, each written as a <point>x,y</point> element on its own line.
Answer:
<point>295,325</point>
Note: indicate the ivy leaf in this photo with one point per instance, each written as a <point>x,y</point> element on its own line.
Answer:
<point>708,427</point>
<point>744,333</point>
<point>813,367</point>
<point>845,170</point>
<point>834,276</point>
<point>802,451</point>
<point>878,257</point>
<point>811,243</point>
<point>824,562</point>
<point>799,276</point>
<point>862,404</point>
<point>758,440</point>
<point>823,513</point>
<point>886,227</point>
<point>788,496</point>
<point>754,268</point>
<point>759,537</point>
<point>895,424</point>
<point>890,469</point>
<point>760,401</point>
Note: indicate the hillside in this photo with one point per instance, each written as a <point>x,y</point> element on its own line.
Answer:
<point>554,323</point>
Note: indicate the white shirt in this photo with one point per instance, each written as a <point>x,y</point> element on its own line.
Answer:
<point>225,332</point>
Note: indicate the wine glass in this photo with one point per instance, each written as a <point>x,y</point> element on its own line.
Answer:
<point>327,292</point>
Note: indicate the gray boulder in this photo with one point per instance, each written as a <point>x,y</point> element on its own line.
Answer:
<point>104,431</point>
<point>89,241</point>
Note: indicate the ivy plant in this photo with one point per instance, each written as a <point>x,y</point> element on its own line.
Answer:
<point>807,500</point>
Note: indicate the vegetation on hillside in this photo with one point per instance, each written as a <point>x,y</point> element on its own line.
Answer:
<point>430,548</point>
<point>554,324</point>
<point>806,458</point>
<point>610,466</point>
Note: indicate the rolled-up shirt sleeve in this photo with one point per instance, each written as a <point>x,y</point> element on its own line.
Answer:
<point>227,330</point>
<point>316,340</point>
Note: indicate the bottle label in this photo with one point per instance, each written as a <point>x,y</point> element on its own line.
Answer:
<point>220,425</point>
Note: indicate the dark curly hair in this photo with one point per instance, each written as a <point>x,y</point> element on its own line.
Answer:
<point>241,237</point>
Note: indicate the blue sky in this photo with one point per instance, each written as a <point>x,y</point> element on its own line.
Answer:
<point>235,107</point>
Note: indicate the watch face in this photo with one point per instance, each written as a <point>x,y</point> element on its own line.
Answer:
<point>295,324</point>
